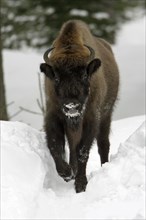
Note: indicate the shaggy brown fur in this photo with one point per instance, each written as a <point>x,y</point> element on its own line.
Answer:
<point>72,80</point>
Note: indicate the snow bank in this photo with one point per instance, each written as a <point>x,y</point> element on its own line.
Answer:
<point>31,188</point>
<point>120,183</point>
<point>22,169</point>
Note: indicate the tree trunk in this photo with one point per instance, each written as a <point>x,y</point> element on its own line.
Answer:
<point>3,105</point>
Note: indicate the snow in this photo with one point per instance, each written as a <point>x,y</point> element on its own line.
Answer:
<point>21,169</point>
<point>78,12</point>
<point>32,189</point>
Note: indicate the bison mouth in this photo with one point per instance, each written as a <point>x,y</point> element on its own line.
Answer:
<point>73,113</point>
<point>73,110</point>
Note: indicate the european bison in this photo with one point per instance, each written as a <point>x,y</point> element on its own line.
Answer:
<point>81,86</point>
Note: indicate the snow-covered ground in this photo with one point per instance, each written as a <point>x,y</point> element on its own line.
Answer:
<point>21,69</point>
<point>31,188</point>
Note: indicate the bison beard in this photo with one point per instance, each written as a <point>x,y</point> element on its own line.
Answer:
<point>74,117</point>
<point>81,79</point>
<point>73,122</point>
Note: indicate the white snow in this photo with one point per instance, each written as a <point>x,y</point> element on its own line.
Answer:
<point>76,12</point>
<point>101,15</point>
<point>32,189</point>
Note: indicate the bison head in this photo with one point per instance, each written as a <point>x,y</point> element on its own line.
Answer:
<point>71,80</point>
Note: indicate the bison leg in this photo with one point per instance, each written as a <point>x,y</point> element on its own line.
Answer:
<point>56,143</point>
<point>103,139</point>
<point>81,179</point>
<point>73,162</point>
<point>83,150</point>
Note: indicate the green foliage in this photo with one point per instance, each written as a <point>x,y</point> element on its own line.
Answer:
<point>35,23</point>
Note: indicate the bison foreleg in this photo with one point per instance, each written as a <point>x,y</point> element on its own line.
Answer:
<point>73,161</point>
<point>103,139</point>
<point>56,145</point>
<point>83,150</point>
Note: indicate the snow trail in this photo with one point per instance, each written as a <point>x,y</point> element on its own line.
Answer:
<point>32,189</point>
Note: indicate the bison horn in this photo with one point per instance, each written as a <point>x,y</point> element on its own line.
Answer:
<point>92,52</point>
<point>46,58</point>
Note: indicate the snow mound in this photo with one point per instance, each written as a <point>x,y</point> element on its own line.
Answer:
<point>120,184</point>
<point>32,189</point>
<point>22,169</point>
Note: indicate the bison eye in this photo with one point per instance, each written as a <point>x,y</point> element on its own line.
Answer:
<point>85,77</point>
<point>57,80</point>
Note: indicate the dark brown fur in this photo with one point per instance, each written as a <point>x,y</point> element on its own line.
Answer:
<point>70,54</point>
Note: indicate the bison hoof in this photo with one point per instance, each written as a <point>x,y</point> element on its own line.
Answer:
<point>68,178</point>
<point>80,184</point>
<point>65,171</point>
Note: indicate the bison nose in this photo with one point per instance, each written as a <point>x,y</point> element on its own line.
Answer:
<point>72,106</point>
<point>72,109</point>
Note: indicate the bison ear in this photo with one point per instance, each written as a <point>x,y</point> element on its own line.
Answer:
<point>93,66</point>
<point>47,69</point>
